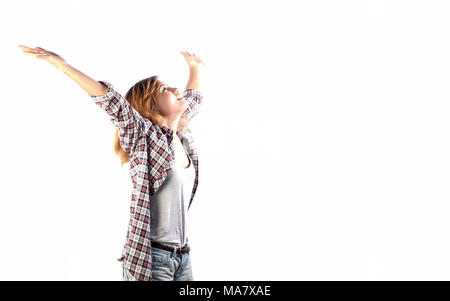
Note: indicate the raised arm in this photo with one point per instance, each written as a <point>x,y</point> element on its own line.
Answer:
<point>195,65</point>
<point>192,92</point>
<point>91,86</point>
<point>130,123</point>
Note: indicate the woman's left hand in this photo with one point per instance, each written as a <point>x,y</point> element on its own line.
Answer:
<point>192,59</point>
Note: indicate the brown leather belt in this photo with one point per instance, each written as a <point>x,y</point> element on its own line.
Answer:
<point>182,250</point>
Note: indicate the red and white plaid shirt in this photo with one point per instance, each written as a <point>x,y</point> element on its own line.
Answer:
<point>151,157</point>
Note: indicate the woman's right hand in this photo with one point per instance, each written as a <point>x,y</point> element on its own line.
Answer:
<point>46,55</point>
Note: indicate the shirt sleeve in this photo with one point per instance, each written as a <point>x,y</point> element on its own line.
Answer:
<point>194,99</point>
<point>122,115</point>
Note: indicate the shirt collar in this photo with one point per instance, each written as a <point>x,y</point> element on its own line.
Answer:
<point>166,130</point>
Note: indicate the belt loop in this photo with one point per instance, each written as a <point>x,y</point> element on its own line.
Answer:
<point>174,252</point>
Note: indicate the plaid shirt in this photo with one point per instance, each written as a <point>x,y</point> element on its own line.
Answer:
<point>151,157</point>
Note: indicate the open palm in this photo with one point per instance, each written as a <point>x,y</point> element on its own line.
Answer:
<point>46,55</point>
<point>192,60</point>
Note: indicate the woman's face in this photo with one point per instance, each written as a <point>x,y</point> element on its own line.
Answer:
<point>170,101</point>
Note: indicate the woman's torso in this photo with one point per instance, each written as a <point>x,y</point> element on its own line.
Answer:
<point>170,203</point>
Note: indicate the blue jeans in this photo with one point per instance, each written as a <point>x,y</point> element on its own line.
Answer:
<point>167,266</point>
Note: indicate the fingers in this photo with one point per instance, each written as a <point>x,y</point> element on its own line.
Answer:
<point>37,55</point>
<point>31,50</point>
<point>188,56</point>
<point>37,52</point>
<point>35,49</point>
<point>187,53</point>
<point>26,49</point>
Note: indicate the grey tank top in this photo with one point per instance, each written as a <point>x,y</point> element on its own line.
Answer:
<point>168,206</point>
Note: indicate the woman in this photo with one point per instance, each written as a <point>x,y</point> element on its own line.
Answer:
<point>163,165</point>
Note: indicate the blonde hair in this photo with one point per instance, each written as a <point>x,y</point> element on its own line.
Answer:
<point>143,98</point>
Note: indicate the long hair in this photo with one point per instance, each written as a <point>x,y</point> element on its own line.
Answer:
<point>143,98</point>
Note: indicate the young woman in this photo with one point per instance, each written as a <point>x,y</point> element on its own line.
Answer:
<point>152,134</point>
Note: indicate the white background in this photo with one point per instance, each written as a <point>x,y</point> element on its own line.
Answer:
<point>322,137</point>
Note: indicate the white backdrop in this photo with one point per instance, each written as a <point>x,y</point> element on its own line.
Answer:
<point>322,138</point>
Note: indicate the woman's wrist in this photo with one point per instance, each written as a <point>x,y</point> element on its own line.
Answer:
<point>195,68</point>
<point>62,67</point>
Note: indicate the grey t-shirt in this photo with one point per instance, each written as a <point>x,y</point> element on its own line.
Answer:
<point>169,205</point>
